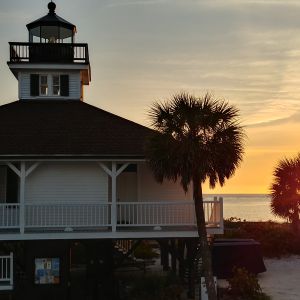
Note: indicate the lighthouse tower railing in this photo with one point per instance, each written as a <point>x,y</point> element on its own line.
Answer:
<point>21,52</point>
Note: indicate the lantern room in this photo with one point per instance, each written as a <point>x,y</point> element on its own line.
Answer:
<point>51,28</point>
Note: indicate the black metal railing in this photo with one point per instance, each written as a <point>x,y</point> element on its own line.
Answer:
<point>48,53</point>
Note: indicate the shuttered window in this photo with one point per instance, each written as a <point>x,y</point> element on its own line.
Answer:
<point>64,85</point>
<point>34,84</point>
<point>49,85</point>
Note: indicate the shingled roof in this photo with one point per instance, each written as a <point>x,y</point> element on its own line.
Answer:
<point>44,128</point>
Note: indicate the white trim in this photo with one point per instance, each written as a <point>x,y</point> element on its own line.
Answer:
<point>31,66</point>
<point>22,197</point>
<point>14,168</point>
<point>106,235</point>
<point>105,169</point>
<point>114,196</point>
<point>32,168</point>
<point>138,173</point>
<point>122,168</point>
<point>11,269</point>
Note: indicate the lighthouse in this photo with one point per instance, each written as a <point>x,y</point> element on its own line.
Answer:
<point>75,186</point>
<point>50,65</point>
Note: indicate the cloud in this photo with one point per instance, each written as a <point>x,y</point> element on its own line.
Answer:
<point>117,3</point>
<point>294,118</point>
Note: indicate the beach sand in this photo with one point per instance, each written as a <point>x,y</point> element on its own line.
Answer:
<point>282,279</point>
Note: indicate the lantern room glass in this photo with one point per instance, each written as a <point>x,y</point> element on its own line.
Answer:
<point>51,34</point>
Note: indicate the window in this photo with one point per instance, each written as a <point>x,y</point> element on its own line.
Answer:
<point>55,85</point>
<point>43,85</point>
<point>49,85</point>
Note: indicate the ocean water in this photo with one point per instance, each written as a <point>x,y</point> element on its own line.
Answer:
<point>252,207</point>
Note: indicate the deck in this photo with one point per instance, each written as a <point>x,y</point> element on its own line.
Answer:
<point>126,220</point>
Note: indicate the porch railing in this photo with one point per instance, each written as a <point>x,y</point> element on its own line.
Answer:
<point>67,216</point>
<point>172,213</point>
<point>9,215</point>
<point>155,213</point>
<point>6,272</point>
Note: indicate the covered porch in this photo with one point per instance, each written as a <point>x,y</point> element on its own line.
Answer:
<point>53,201</point>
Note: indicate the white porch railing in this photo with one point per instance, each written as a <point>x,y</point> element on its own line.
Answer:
<point>66,216</point>
<point>173,213</point>
<point>6,272</point>
<point>155,213</point>
<point>9,215</point>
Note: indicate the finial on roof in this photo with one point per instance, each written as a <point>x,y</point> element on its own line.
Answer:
<point>51,7</point>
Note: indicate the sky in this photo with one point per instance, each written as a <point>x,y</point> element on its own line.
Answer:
<point>246,52</point>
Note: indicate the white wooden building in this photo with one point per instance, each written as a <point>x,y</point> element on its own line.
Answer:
<point>69,170</point>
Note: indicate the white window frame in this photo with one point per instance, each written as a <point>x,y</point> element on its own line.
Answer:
<point>50,85</point>
<point>46,85</point>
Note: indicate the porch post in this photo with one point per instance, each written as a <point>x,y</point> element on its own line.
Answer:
<point>114,196</point>
<point>11,267</point>
<point>221,213</point>
<point>22,197</point>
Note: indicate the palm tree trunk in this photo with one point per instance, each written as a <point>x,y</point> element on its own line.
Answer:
<point>295,221</point>
<point>205,251</point>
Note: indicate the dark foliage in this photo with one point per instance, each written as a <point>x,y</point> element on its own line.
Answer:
<point>285,190</point>
<point>276,239</point>
<point>243,286</point>
<point>196,139</point>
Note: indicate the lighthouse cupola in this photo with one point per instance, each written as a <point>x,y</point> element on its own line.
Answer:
<point>50,65</point>
<point>51,28</point>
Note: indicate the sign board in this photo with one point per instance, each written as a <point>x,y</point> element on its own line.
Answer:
<point>46,271</point>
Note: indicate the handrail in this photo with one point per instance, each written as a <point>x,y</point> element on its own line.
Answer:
<point>96,215</point>
<point>21,52</point>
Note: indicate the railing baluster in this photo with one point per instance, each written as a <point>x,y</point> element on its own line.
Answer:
<point>93,215</point>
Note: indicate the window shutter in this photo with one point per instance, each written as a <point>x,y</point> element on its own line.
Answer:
<point>64,85</point>
<point>34,84</point>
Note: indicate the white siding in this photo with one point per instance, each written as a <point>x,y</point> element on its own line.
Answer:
<point>67,183</point>
<point>127,187</point>
<point>74,84</point>
<point>150,190</point>
<point>2,184</point>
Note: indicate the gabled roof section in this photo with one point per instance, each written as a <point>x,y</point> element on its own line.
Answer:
<point>47,128</point>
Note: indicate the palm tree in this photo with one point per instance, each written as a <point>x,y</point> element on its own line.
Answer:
<point>195,139</point>
<point>285,190</point>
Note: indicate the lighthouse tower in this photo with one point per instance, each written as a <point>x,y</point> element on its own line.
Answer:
<point>50,65</point>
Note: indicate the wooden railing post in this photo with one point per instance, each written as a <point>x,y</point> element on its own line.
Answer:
<point>221,213</point>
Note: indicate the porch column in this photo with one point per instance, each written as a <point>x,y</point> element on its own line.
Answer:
<point>114,196</point>
<point>22,174</point>
<point>22,197</point>
<point>113,173</point>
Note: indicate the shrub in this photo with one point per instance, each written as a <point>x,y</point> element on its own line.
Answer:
<point>244,286</point>
<point>145,251</point>
<point>155,286</point>
<point>276,239</point>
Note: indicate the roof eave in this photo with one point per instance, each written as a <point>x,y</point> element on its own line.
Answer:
<point>73,157</point>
